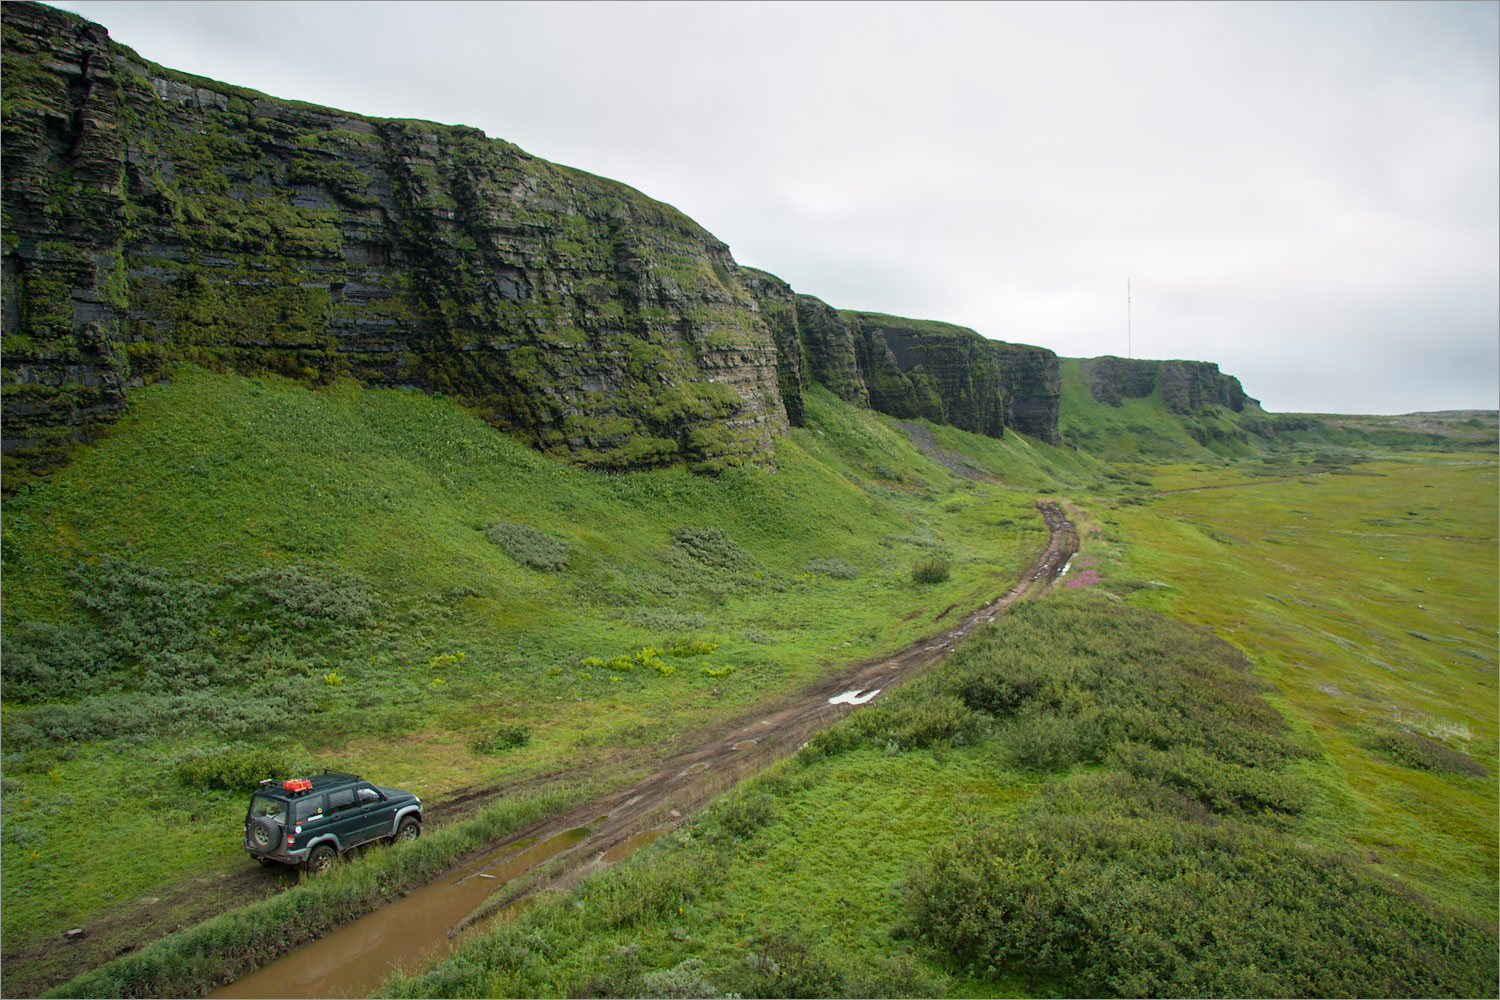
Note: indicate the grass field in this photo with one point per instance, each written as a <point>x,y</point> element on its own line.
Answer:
<point>348,578</point>
<point>1368,597</point>
<point>383,584</point>
<point>1088,799</point>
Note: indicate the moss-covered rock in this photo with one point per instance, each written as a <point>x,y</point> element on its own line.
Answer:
<point>1184,386</point>
<point>151,217</point>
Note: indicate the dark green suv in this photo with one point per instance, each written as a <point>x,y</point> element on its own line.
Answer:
<point>311,821</point>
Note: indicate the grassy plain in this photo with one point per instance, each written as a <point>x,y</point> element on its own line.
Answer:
<point>1088,799</point>
<point>1367,595</point>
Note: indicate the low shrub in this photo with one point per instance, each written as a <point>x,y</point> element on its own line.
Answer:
<point>1152,905</point>
<point>528,546</point>
<point>141,629</point>
<point>711,547</point>
<point>1413,750</point>
<point>237,768</point>
<point>510,737</point>
<point>930,571</point>
<point>838,569</point>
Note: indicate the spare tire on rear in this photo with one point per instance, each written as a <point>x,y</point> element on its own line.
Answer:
<point>264,834</point>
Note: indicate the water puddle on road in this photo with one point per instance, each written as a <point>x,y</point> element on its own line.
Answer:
<point>353,960</point>
<point>630,845</point>
<point>745,744</point>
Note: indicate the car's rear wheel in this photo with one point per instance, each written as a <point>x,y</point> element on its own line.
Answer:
<point>264,834</point>
<point>321,859</point>
<point>409,829</point>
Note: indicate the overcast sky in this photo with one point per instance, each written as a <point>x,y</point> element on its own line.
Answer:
<point>1304,193</point>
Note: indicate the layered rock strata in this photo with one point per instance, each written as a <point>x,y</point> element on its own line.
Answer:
<point>1184,386</point>
<point>152,217</point>
<point>919,368</point>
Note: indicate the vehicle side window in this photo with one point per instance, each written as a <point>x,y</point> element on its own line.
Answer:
<point>341,800</point>
<point>305,809</point>
<point>368,795</point>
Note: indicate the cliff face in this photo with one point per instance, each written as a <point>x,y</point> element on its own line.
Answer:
<point>918,368</point>
<point>914,368</point>
<point>831,351</point>
<point>1031,384</point>
<point>151,217</point>
<point>1185,386</point>
<point>778,307</point>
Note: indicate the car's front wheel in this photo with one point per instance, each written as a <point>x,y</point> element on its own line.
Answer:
<point>321,859</point>
<point>409,829</point>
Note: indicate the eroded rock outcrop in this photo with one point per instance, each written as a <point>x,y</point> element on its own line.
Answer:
<point>917,368</point>
<point>1184,386</point>
<point>152,217</point>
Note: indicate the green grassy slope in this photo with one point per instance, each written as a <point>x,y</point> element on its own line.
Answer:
<point>244,565</point>
<point>403,591</point>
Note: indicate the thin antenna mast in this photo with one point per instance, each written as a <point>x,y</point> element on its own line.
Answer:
<point>1127,318</point>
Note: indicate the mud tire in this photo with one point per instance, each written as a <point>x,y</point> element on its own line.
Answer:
<point>321,859</point>
<point>409,829</point>
<point>264,834</point>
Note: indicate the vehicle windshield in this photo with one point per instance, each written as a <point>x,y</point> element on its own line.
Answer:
<point>265,806</point>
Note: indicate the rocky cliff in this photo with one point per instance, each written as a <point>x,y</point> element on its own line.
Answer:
<point>151,216</point>
<point>1184,386</point>
<point>918,368</point>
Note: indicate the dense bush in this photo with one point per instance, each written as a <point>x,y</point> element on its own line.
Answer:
<point>227,714</point>
<point>502,739</point>
<point>1104,903</point>
<point>711,547</point>
<point>1410,749</point>
<point>528,546</point>
<point>236,768</point>
<point>150,630</point>
<point>930,571</point>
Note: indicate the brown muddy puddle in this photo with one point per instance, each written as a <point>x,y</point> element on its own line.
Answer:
<point>413,930</point>
<point>630,845</point>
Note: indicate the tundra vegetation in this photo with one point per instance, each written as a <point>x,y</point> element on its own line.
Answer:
<point>248,576</point>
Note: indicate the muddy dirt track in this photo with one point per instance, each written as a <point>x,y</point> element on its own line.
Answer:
<point>719,757</point>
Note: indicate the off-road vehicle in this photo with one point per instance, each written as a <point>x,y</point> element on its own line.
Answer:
<point>311,821</point>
